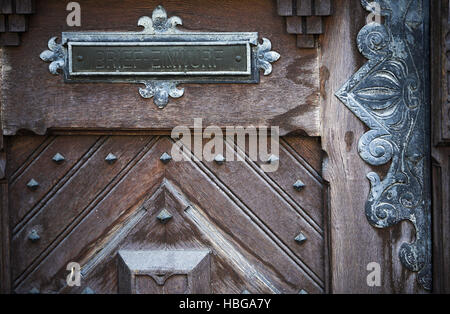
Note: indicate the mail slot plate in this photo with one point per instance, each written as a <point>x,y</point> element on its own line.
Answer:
<point>182,57</point>
<point>159,59</point>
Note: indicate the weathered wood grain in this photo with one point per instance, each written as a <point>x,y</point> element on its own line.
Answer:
<point>354,243</point>
<point>48,103</point>
<point>440,122</point>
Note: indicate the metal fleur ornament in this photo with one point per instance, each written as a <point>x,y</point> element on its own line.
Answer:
<point>266,56</point>
<point>159,23</point>
<point>56,56</point>
<point>160,57</point>
<point>160,91</point>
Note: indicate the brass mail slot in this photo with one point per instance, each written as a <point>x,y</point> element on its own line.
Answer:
<point>159,59</point>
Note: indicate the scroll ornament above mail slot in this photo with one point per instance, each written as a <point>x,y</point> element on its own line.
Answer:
<point>160,57</point>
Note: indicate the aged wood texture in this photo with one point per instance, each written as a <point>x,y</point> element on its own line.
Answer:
<point>440,64</point>
<point>5,232</point>
<point>247,218</point>
<point>305,18</point>
<point>48,103</point>
<point>14,17</point>
<point>440,73</point>
<point>354,244</point>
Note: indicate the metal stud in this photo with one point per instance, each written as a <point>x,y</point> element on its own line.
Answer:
<point>273,159</point>
<point>164,216</point>
<point>245,291</point>
<point>33,236</point>
<point>111,158</point>
<point>299,185</point>
<point>301,238</point>
<point>88,291</point>
<point>165,158</point>
<point>58,158</point>
<point>303,292</point>
<point>34,291</point>
<point>219,159</point>
<point>33,185</point>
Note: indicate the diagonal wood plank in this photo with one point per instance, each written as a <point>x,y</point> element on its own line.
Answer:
<point>143,178</point>
<point>67,204</point>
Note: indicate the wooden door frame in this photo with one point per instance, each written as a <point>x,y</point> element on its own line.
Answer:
<point>343,168</point>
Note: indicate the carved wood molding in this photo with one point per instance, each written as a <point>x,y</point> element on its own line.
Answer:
<point>304,18</point>
<point>390,95</point>
<point>14,20</point>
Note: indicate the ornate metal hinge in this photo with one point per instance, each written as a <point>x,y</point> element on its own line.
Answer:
<point>160,57</point>
<point>390,95</point>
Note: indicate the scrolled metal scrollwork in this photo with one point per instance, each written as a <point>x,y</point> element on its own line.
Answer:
<point>159,23</point>
<point>56,56</point>
<point>389,95</point>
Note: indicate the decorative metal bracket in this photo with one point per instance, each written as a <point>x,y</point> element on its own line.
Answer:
<point>182,57</point>
<point>390,95</point>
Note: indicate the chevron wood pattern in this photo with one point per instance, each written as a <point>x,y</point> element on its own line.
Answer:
<point>85,210</point>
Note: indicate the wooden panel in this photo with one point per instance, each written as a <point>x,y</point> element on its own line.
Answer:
<point>440,104</point>
<point>80,237</point>
<point>252,241</point>
<point>440,74</point>
<point>323,7</point>
<point>25,6</point>
<point>5,265</point>
<point>17,23</point>
<point>6,6</point>
<point>44,171</point>
<point>94,176</point>
<point>22,147</point>
<point>285,7</point>
<point>305,7</point>
<point>49,103</point>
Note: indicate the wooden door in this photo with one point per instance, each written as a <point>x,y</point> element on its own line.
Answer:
<point>262,235</point>
<point>90,185</point>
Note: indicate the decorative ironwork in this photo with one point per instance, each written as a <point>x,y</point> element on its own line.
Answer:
<point>159,23</point>
<point>160,56</point>
<point>266,56</point>
<point>160,91</point>
<point>56,56</point>
<point>389,94</point>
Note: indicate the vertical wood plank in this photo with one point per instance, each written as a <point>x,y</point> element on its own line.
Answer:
<point>2,23</point>
<point>354,243</point>
<point>9,39</point>
<point>440,115</point>
<point>5,273</point>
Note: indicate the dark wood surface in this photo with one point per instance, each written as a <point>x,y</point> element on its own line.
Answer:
<point>86,210</point>
<point>440,73</point>
<point>35,100</point>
